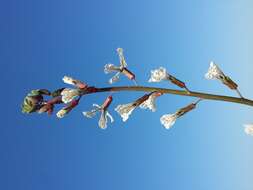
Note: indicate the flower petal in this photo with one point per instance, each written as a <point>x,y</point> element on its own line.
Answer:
<point>158,75</point>
<point>62,113</point>
<point>248,129</point>
<point>69,94</point>
<point>125,110</point>
<point>90,114</point>
<point>110,68</point>
<point>150,102</point>
<point>110,116</point>
<point>102,123</point>
<point>168,120</point>
<point>123,63</point>
<point>214,72</point>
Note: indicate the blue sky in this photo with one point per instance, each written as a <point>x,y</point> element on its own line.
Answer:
<point>41,41</point>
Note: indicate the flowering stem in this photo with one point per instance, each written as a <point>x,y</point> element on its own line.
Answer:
<point>176,92</point>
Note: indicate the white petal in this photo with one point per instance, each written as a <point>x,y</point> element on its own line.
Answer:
<point>115,78</point>
<point>72,81</point>
<point>61,113</point>
<point>67,80</point>
<point>123,63</point>
<point>90,114</point>
<point>158,75</point>
<point>69,94</point>
<point>214,72</point>
<point>248,129</point>
<point>110,68</point>
<point>96,106</point>
<point>125,110</point>
<point>168,120</point>
<point>149,103</point>
<point>110,116</point>
<point>102,123</point>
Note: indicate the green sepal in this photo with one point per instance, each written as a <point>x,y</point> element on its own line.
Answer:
<point>57,92</point>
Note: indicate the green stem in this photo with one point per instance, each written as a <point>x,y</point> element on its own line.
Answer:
<point>176,92</point>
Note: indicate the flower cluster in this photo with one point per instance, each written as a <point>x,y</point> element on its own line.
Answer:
<point>38,101</point>
<point>145,102</point>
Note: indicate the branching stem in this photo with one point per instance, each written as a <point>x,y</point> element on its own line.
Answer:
<point>176,92</point>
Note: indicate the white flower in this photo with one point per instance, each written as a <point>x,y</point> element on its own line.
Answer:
<point>61,113</point>
<point>150,102</point>
<point>168,120</point>
<point>102,123</point>
<point>109,68</point>
<point>248,129</point>
<point>214,72</point>
<point>158,75</point>
<point>125,110</point>
<point>69,94</point>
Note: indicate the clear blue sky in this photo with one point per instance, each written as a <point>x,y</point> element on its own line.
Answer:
<point>41,41</point>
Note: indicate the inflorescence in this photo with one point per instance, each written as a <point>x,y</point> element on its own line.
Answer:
<point>36,101</point>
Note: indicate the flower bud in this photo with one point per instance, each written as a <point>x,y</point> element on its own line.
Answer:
<point>64,111</point>
<point>32,102</point>
<point>79,84</point>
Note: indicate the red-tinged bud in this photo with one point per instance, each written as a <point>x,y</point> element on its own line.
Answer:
<point>128,73</point>
<point>107,102</point>
<point>81,85</point>
<point>176,81</point>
